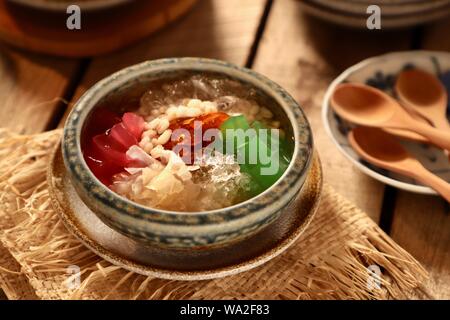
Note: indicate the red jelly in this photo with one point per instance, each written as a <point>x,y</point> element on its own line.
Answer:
<point>134,123</point>
<point>120,135</point>
<point>105,150</point>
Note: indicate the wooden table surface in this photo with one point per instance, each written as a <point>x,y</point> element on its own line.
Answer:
<point>275,38</point>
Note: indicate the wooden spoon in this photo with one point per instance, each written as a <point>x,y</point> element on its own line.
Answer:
<point>381,149</point>
<point>368,106</point>
<point>409,134</point>
<point>423,93</point>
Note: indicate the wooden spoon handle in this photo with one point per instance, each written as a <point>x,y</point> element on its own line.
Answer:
<point>442,124</point>
<point>433,181</point>
<point>438,137</point>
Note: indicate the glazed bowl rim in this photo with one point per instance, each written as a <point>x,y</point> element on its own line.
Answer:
<point>88,101</point>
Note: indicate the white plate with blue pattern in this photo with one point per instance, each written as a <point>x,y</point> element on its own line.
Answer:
<point>381,72</point>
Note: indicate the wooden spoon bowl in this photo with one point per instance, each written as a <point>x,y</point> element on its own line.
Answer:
<point>368,106</point>
<point>424,94</point>
<point>381,149</point>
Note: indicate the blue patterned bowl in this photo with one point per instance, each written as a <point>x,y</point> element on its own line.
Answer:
<point>381,72</point>
<point>186,229</point>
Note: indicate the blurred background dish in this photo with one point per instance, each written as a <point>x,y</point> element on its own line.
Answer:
<point>381,72</point>
<point>387,7</point>
<point>61,5</point>
<point>394,14</point>
<point>102,31</point>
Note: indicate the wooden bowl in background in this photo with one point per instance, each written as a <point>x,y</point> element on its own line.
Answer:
<point>102,31</point>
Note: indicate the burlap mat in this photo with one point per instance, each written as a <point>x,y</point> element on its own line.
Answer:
<point>329,261</point>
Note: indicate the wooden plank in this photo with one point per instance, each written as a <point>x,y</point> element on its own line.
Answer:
<point>421,224</point>
<point>31,88</point>
<point>304,55</point>
<point>214,29</point>
<point>435,36</point>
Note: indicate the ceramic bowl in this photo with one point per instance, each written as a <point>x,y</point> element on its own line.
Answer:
<point>381,73</point>
<point>395,14</point>
<point>187,229</point>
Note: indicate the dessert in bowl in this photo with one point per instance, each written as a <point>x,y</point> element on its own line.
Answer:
<point>187,152</point>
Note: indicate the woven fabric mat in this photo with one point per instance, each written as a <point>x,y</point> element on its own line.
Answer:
<point>329,261</point>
